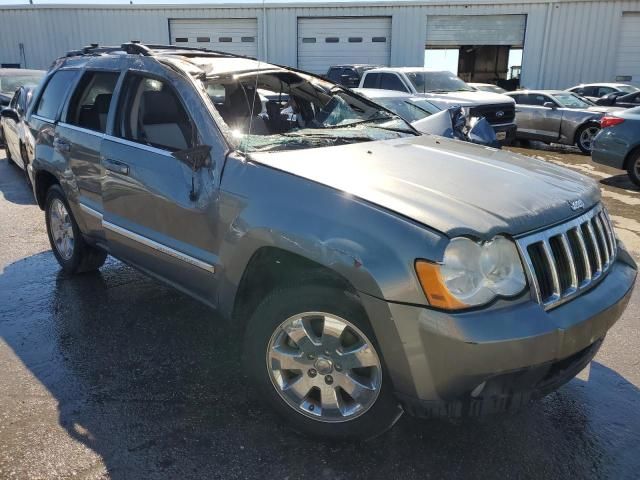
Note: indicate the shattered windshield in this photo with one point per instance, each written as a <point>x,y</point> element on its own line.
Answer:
<point>437,82</point>
<point>283,110</point>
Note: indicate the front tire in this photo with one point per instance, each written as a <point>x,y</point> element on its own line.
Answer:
<point>71,251</point>
<point>585,136</point>
<point>633,168</point>
<point>312,355</point>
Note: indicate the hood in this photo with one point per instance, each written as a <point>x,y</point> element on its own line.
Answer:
<point>454,187</point>
<point>464,99</point>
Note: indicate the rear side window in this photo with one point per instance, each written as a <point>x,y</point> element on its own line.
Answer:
<point>89,105</point>
<point>55,93</point>
<point>151,113</point>
<point>371,80</point>
<point>390,81</point>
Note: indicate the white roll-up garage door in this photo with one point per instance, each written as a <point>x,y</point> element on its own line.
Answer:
<point>233,35</point>
<point>323,42</point>
<point>458,30</point>
<point>628,54</point>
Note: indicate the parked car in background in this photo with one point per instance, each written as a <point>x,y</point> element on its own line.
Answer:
<point>445,90</point>
<point>487,87</point>
<point>12,78</point>
<point>369,266</point>
<point>556,116</point>
<point>425,117</point>
<point>623,100</point>
<point>594,91</point>
<point>618,143</point>
<point>348,75</point>
<point>14,129</point>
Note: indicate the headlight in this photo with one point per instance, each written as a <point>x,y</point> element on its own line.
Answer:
<point>472,274</point>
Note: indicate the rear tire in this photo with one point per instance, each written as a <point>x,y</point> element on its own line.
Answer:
<point>633,167</point>
<point>308,380</point>
<point>585,136</point>
<point>71,251</point>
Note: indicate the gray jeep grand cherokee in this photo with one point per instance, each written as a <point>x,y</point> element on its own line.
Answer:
<point>373,269</point>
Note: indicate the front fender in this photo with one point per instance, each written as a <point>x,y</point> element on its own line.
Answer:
<point>572,121</point>
<point>373,249</point>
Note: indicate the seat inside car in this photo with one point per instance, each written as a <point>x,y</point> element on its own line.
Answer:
<point>242,108</point>
<point>164,121</point>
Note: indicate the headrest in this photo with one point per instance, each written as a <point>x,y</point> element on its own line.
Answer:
<point>239,101</point>
<point>102,102</point>
<point>161,107</point>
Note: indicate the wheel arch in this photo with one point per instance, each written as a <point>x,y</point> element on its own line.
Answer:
<point>630,156</point>
<point>590,121</point>
<point>43,180</point>
<point>271,267</point>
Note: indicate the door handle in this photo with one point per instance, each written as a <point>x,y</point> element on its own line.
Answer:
<point>61,145</point>
<point>116,166</point>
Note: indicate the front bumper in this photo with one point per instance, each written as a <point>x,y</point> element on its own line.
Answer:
<point>499,358</point>
<point>509,131</point>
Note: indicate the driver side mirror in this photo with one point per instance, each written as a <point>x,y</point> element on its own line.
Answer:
<point>10,113</point>
<point>549,105</point>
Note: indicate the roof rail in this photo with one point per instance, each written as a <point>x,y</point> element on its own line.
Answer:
<point>135,47</point>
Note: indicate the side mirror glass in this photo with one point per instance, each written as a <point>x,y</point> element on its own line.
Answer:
<point>549,105</point>
<point>10,113</point>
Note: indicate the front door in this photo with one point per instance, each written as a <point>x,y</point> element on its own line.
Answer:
<point>535,121</point>
<point>159,213</point>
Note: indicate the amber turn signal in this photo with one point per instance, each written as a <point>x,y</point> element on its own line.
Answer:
<point>434,288</point>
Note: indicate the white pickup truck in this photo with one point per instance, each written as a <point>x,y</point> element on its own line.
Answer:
<point>445,90</point>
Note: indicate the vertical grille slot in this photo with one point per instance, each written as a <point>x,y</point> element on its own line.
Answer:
<point>541,269</point>
<point>566,259</point>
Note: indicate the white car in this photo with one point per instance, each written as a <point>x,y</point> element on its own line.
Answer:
<point>487,87</point>
<point>594,91</point>
<point>444,89</point>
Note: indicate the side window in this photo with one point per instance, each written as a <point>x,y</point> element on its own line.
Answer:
<point>602,91</point>
<point>151,113</point>
<point>534,99</point>
<point>588,92</point>
<point>89,105</point>
<point>390,81</point>
<point>371,80</point>
<point>55,93</point>
<point>335,74</point>
<point>517,97</point>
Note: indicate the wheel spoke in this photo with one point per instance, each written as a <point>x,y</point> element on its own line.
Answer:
<point>301,333</point>
<point>300,387</point>
<point>329,400</point>
<point>331,332</point>
<point>361,356</point>
<point>286,360</point>
<point>356,389</point>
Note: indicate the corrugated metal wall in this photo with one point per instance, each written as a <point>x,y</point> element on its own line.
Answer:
<point>566,41</point>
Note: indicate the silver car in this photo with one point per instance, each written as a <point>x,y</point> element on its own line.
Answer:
<point>555,116</point>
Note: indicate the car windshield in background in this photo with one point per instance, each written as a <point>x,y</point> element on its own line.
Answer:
<point>434,82</point>
<point>409,109</point>
<point>9,84</point>
<point>628,88</point>
<point>491,88</point>
<point>570,100</point>
<point>282,110</point>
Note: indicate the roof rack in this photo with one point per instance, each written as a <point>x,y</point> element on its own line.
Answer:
<point>135,47</point>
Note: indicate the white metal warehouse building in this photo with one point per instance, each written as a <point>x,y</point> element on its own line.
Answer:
<point>564,42</point>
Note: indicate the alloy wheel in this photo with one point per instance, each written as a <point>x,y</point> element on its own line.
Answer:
<point>324,367</point>
<point>587,136</point>
<point>61,229</point>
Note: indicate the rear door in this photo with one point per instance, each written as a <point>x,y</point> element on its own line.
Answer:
<point>79,136</point>
<point>159,213</point>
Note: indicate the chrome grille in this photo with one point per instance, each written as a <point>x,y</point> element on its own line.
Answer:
<point>563,261</point>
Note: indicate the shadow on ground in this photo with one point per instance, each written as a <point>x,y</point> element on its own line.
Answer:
<point>13,183</point>
<point>150,380</point>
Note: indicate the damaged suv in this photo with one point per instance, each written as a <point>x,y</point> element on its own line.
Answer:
<point>374,270</point>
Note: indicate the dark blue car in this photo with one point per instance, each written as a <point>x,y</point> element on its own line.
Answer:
<point>618,143</point>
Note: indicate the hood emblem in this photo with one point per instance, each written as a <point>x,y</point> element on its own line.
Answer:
<point>576,204</point>
<point>499,114</point>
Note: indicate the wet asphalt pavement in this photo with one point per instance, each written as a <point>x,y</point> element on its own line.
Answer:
<point>113,375</point>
